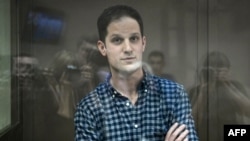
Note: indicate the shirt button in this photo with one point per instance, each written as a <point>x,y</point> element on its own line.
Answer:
<point>182,94</point>
<point>127,104</point>
<point>136,126</point>
<point>145,90</point>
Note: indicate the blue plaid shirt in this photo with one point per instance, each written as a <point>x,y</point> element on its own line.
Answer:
<point>106,115</point>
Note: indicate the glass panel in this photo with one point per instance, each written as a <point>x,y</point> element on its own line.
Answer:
<point>228,65</point>
<point>173,32</point>
<point>222,93</point>
<point>185,31</point>
<point>5,67</point>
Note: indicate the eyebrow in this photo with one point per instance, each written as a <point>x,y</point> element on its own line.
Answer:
<point>136,33</point>
<point>115,35</point>
<point>133,34</point>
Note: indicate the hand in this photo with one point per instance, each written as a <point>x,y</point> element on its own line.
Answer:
<point>87,72</point>
<point>177,133</point>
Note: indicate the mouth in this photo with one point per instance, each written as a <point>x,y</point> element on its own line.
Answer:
<point>128,58</point>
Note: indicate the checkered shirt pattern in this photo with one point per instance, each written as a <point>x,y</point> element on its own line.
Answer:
<point>106,115</point>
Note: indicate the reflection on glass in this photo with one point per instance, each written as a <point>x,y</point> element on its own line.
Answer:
<point>218,99</point>
<point>5,111</point>
<point>4,92</point>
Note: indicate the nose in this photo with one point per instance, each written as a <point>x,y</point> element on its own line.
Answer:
<point>127,47</point>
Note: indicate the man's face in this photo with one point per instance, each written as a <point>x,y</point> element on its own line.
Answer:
<point>25,66</point>
<point>83,52</point>
<point>123,45</point>
<point>156,63</point>
<point>219,73</point>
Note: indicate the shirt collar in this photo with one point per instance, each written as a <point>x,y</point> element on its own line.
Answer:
<point>144,84</point>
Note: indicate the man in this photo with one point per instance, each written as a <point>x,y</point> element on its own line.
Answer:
<point>25,68</point>
<point>131,105</point>
<point>218,99</point>
<point>157,63</point>
<point>31,87</point>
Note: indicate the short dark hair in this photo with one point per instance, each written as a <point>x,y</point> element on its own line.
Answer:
<point>113,13</point>
<point>216,59</point>
<point>86,39</point>
<point>156,53</point>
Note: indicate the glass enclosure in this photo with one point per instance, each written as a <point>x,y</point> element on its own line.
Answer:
<point>5,67</point>
<point>205,44</point>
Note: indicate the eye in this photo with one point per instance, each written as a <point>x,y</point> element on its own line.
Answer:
<point>116,40</point>
<point>134,38</point>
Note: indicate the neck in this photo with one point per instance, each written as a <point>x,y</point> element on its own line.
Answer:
<point>126,84</point>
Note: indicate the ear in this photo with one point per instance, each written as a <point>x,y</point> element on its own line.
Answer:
<point>101,47</point>
<point>143,43</point>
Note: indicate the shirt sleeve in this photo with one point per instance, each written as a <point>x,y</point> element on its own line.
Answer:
<point>85,125</point>
<point>183,113</point>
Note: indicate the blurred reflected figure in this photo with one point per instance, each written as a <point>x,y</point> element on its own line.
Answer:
<point>64,71</point>
<point>68,83</point>
<point>25,68</point>
<point>217,100</point>
<point>33,91</point>
<point>88,56</point>
<point>156,60</point>
<point>70,77</point>
<point>84,48</point>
